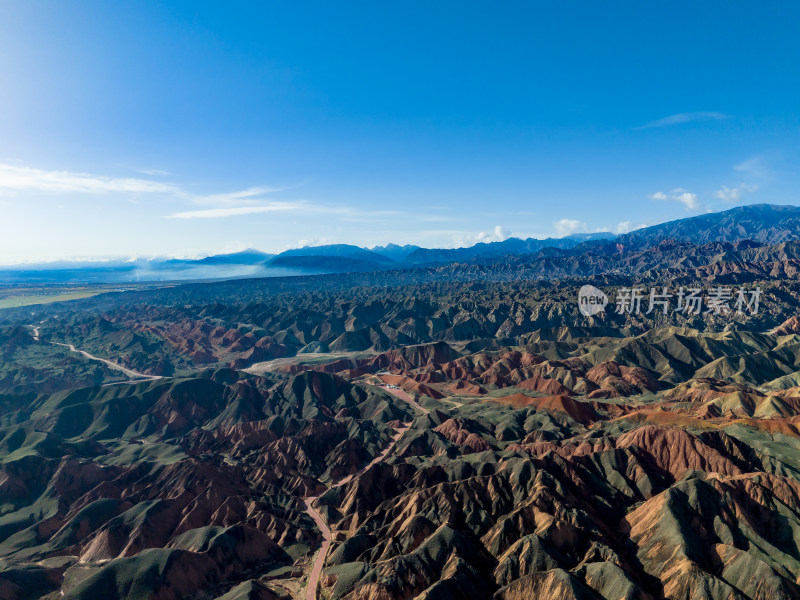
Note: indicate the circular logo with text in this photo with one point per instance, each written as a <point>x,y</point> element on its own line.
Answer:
<point>591,300</point>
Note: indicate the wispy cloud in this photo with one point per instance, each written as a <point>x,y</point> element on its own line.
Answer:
<point>688,199</point>
<point>754,167</point>
<point>681,118</point>
<point>321,241</point>
<point>250,195</point>
<point>356,215</point>
<point>247,207</point>
<point>28,179</point>
<point>439,218</point>
<point>16,179</point>
<point>735,193</point>
<point>566,227</point>
<point>234,211</point>
<point>23,179</point>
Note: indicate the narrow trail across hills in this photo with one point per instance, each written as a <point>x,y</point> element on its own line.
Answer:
<point>319,562</point>
<point>135,376</point>
<point>327,535</point>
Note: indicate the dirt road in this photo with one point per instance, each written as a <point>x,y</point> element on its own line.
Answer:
<point>134,375</point>
<point>319,561</point>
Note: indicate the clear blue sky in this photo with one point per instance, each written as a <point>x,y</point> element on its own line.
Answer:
<point>187,128</point>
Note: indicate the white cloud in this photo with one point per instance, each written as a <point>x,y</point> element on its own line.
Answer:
<point>734,194</point>
<point>688,199</point>
<point>680,118</point>
<point>23,179</point>
<point>498,234</point>
<point>625,227</point>
<point>566,227</point>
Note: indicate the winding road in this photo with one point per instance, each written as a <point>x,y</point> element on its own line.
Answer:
<point>135,376</point>
<point>319,561</point>
<point>111,365</point>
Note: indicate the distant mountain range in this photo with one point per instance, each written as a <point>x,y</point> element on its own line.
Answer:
<point>765,223</point>
<point>245,257</point>
<point>511,246</point>
<point>762,223</point>
<point>394,251</point>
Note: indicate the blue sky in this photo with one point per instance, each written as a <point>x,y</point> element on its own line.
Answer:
<point>188,128</point>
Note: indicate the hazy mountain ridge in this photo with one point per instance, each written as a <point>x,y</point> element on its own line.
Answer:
<point>510,246</point>
<point>763,223</point>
